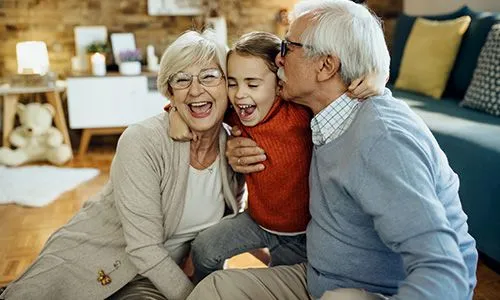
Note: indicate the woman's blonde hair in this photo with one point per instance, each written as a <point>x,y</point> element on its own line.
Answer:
<point>191,48</point>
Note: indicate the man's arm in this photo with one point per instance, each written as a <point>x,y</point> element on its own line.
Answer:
<point>243,154</point>
<point>397,188</point>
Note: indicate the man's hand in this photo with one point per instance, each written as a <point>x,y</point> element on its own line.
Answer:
<point>243,154</point>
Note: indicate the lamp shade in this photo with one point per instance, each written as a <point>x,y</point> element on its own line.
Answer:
<point>32,58</point>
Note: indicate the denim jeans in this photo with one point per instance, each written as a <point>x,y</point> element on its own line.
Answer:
<point>240,234</point>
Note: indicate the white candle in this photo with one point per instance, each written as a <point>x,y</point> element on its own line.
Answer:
<point>98,64</point>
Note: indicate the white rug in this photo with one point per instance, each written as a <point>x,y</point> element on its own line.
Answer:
<point>39,185</point>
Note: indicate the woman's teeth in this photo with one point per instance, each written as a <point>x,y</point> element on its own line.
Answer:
<point>200,107</point>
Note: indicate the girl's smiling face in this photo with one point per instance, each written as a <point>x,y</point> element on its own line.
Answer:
<point>252,87</point>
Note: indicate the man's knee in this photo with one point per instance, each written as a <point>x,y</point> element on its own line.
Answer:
<point>212,287</point>
<point>351,294</point>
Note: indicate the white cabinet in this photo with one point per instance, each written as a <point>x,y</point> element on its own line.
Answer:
<point>111,101</point>
<point>105,105</point>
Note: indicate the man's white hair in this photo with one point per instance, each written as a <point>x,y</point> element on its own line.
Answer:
<point>191,48</point>
<point>346,30</point>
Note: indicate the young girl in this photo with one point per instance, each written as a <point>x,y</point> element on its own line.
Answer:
<point>278,197</point>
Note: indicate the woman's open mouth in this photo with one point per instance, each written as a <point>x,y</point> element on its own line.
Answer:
<point>200,109</point>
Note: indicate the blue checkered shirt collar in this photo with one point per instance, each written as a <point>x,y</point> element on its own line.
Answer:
<point>334,120</point>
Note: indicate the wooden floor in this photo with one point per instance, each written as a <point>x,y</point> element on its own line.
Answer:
<point>25,230</point>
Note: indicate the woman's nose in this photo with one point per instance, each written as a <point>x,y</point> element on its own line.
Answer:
<point>195,89</point>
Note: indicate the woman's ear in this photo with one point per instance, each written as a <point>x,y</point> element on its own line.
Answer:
<point>328,66</point>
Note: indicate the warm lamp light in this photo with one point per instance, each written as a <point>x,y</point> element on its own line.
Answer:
<point>32,58</point>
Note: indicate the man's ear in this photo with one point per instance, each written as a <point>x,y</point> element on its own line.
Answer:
<point>328,66</point>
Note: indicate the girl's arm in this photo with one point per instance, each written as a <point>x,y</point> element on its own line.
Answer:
<point>367,86</point>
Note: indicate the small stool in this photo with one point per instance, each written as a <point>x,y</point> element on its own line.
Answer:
<point>11,98</point>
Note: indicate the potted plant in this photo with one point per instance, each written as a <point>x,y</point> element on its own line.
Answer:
<point>130,62</point>
<point>96,47</point>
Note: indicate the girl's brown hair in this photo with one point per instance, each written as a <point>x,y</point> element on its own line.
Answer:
<point>260,44</point>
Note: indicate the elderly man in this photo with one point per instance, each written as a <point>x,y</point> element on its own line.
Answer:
<point>386,215</point>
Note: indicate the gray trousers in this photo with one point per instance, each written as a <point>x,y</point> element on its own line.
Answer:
<point>282,282</point>
<point>238,235</point>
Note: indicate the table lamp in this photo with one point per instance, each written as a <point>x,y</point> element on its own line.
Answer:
<point>32,58</point>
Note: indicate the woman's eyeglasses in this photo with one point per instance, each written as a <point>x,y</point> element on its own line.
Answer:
<point>284,46</point>
<point>206,77</point>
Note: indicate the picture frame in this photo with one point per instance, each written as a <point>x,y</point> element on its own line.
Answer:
<point>174,7</point>
<point>84,36</point>
<point>121,42</point>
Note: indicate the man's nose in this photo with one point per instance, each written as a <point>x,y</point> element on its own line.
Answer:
<point>279,60</point>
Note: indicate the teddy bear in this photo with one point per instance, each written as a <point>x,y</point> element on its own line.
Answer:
<point>36,139</point>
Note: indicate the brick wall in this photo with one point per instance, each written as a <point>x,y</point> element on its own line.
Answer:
<point>53,21</point>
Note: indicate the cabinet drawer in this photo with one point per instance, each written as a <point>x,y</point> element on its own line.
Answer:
<point>96,102</point>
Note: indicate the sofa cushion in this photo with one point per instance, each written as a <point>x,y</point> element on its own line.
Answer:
<point>472,42</point>
<point>403,28</point>
<point>468,54</point>
<point>430,54</point>
<point>484,90</point>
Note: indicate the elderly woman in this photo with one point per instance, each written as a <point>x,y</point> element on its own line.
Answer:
<point>131,239</point>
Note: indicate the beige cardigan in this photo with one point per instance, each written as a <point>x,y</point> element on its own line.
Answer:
<point>123,229</point>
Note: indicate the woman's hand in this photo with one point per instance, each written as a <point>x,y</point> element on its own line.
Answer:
<point>177,129</point>
<point>367,86</point>
<point>243,154</point>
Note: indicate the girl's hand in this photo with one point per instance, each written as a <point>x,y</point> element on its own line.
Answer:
<point>177,129</point>
<point>367,86</point>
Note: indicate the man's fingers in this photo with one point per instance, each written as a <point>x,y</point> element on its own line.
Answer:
<point>240,142</point>
<point>247,160</point>
<point>248,169</point>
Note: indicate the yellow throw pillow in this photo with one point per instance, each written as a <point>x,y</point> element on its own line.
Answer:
<point>429,55</point>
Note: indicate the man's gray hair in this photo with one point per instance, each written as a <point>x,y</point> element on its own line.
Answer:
<point>191,48</point>
<point>346,30</point>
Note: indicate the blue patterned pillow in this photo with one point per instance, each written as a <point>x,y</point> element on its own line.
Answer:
<point>484,90</point>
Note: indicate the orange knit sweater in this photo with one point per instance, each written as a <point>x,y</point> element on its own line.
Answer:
<point>278,197</point>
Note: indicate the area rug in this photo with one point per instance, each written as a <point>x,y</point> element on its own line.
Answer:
<point>39,185</point>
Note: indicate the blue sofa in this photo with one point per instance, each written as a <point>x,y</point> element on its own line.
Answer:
<point>470,139</point>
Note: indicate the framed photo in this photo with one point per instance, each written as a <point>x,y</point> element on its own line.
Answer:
<point>86,35</point>
<point>122,42</point>
<point>174,7</point>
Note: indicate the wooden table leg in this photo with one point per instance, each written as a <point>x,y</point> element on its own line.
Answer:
<point>9,116</point>
<point>54,99</point>
<point>89,132</point>
<point>84,142</point>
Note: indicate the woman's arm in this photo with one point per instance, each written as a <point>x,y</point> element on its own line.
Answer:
<point>135,174</point>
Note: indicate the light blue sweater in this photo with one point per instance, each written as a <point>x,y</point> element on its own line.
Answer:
<point>386,215</point>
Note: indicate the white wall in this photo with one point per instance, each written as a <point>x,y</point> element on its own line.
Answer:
<point>430,7</point>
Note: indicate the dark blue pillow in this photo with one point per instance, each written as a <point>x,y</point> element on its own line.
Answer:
<point>467,57</point>
<point>403,28</point>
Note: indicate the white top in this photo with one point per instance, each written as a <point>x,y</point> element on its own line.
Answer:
<point>204,207</point>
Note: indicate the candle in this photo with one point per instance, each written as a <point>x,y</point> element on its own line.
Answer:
<point>98,64</point>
